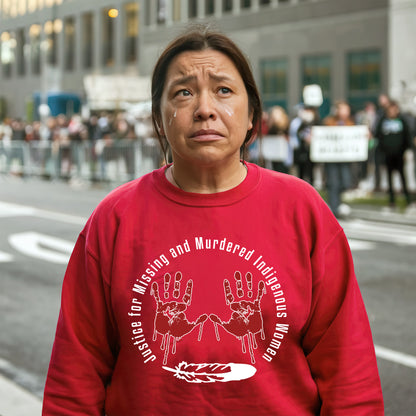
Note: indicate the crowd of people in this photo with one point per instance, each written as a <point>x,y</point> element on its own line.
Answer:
<point>391,134</point>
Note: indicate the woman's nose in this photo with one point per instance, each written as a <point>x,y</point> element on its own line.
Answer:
<point>205,107</point>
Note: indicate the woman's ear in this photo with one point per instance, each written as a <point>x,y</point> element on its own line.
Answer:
<point>250,119</point>
<point>159,126</point>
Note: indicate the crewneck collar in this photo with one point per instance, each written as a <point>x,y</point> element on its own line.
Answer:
<point>224,198</point>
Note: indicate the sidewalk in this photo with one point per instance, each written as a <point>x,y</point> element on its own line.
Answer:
<point>374,207</point>
<point>16,401</point>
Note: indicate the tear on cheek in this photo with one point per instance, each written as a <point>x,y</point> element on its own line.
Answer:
<point>171,118</point>
<point>228,110</point>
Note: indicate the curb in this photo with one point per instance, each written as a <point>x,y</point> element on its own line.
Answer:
<point>384,215</point>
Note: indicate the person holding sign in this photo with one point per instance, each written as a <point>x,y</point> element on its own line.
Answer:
<point>211,286</point>
<point>338,174</point>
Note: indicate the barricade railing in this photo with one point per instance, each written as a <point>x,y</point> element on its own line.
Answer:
<point>112,161</point>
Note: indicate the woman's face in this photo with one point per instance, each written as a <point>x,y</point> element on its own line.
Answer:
<point>204,108</point>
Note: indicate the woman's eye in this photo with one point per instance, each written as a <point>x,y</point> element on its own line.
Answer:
<point>224,90</point>
<point>183,93</point>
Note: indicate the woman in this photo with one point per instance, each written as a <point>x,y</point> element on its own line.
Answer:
<point>211,286</point>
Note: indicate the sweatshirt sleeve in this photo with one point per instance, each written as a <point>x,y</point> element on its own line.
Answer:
<point>338,342</point>
<point>84,349</point>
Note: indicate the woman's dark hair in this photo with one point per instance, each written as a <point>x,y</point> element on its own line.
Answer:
<point>198,39</point>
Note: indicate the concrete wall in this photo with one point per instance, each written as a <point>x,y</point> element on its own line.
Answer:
<point>402,52</point>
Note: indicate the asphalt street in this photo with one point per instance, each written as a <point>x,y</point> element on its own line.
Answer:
<point>40,220</point>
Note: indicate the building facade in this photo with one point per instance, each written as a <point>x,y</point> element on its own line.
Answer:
<point>353,49</point>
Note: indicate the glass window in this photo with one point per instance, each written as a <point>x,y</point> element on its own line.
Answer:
<point>22,7</point>
<point>192,8</point>
<point>8,45</point>
<point>245,4</point>
<point>34,34</point>
<point>209,7</point>
<point>20,52</point>
<point>69,31</point>
<point>274,81</point>
<point>176,10</point>
<point>87,40</point>
<point>51,43</point>
<point>227,5</point>
<point>364,77</point>
<point>131,31</point>
<point>317,70</point>
<point>5,8</point>
<point>264,2</point>
<point>161,11</point>
<point>108,38</point>
<point>31,5</point>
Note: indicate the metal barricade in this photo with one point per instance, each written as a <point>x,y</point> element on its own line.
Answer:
<point>110,161</point>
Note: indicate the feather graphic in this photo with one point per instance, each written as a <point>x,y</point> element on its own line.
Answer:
<point>211,373</point>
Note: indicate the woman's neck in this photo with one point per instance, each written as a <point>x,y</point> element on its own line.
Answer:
<point>206,180</point>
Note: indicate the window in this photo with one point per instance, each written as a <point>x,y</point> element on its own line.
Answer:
<point>264,2</point>
<point>227,5</point>
<point>108,38</point>
<point>21,7</point>
<point>274,81</point>
<point>317,70</point>
<point>20,52</point>
<point>364,77</point>
<point>131,32</point>
<point>209,7</point>
<point>245,4</point>
<point>34,34</point>
<point>192,8</point>
<point>8,45</point>
<point>69,32</point>
<point>31,5</point>
<point>87,40</point>
<point>161,11</point>
<point>176,10</point>
<point>51,42</point>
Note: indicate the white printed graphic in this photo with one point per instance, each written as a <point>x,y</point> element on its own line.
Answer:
<point>211,373</point>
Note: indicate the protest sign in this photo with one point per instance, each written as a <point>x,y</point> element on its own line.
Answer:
<point>275,148</point>
<point>339,144</point>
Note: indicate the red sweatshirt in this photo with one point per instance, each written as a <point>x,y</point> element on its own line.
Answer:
<point>240,303</point>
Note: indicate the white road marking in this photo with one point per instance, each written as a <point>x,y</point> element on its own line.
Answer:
<point>41,246</point>
<point>15,210</point>
<point>358,245</point>
<point>380,232</point>
<point>395,356</point>
<point>5,257</point>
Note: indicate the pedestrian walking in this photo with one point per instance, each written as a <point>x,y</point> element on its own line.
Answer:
<point>211,286</point>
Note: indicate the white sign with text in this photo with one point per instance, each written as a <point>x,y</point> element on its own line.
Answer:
<point>339,144</point>
<point>275,148</point>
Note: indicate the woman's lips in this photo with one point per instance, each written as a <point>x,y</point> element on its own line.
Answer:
<point>206,135</point>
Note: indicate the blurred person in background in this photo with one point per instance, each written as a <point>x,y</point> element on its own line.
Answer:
<point>394,138</point>
<point>278,126</point>
<point>309,117</point>
<point>338,175</point>
<point>368,117</point>
<point>379,162</point>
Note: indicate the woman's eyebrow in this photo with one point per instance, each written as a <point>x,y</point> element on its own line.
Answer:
<point>182,80</point>
<point>220,77</point>
<point>190,78</point>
